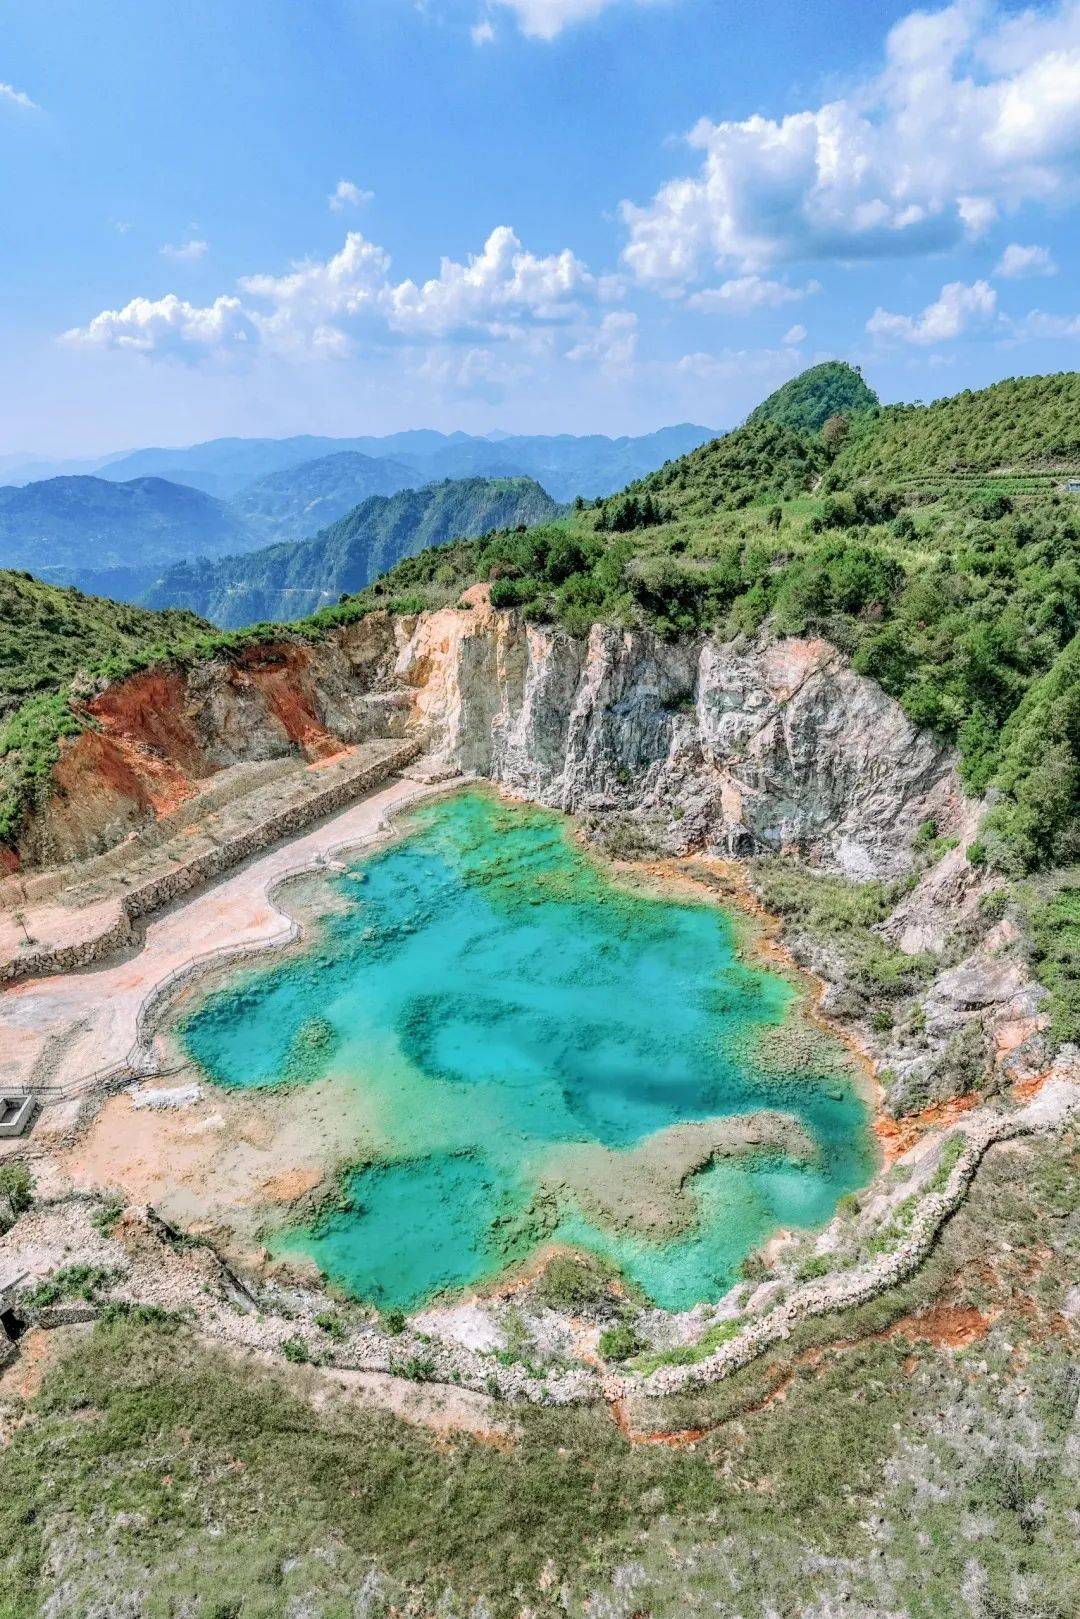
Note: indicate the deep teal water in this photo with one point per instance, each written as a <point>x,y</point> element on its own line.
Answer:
<point>497,995</point>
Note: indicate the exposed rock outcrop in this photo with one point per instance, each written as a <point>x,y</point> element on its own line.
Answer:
<point>732,747</point>
<point>729,746</point>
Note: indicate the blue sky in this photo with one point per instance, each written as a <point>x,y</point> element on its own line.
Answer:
<point>539,215</point>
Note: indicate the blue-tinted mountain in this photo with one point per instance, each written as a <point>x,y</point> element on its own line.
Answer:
<point>289,580</point>
<point>297,501</point>
<point>565,464</point>
<point>69,529</point>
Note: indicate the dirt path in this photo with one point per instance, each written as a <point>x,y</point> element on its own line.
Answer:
<point>92,1015</point>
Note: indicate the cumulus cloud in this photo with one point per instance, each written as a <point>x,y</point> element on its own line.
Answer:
<point>970,114</point>
<point>17,98</point>
<point>1018,262</point>
<point>169,325</point>
<point>734,364</point>
<point>325,307</point>
<point>504,282</point>
<point>347,195</point>
<point>794,335</point>
<point>958,309</point>
<point>185,252</point>
<point>748,292</point>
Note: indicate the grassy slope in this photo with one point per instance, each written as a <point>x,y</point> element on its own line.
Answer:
<point>891,1476</point>
<point>48,634</point>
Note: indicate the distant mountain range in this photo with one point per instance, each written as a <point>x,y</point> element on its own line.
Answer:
<point>289,580</point>
<point>566,465</point>
<point>297,501</point>
<point>115,529</point>
<point>68,526</point>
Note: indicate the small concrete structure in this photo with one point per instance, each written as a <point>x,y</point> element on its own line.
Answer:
<point>16,1113</point>
<point>1072,486</point>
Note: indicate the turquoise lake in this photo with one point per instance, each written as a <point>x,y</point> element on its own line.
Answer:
<point>497,995</point>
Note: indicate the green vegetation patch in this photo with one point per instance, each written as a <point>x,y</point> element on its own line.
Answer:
<point>812,398</point>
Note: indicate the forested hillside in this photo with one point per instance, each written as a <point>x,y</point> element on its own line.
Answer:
<point>1028,423</point>
<point>960,596</point>
<point>296,502</point>
<point>808,401</point>
<point>289,580</point>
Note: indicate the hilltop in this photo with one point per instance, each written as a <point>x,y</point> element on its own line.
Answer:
<point>808,401</point>
<point>1024,424</point>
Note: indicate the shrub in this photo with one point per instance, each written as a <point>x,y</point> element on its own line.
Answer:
<point>571,1284</point>
<point>70,1282</point>
<point>17,1185</point>
<point>620,1342</point>
<point>817,1265</point>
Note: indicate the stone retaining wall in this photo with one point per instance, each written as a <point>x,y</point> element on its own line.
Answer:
<point>180,879</point>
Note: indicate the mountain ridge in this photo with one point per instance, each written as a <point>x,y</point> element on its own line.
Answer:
<point>291,579</point>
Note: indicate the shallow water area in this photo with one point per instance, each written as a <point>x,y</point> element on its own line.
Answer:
<point>501,999</point>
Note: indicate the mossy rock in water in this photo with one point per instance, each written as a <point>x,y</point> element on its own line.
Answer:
<point>310,1049</point>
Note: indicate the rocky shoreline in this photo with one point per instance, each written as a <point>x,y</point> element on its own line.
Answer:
<point>772,747</point>
<point>144,1263</point>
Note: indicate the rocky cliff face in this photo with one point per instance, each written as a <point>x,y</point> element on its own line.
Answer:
<point>726,747</point>
<point>741,748</point>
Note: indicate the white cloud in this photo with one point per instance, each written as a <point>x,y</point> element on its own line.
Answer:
<point>612,345</point>
<point>746,292</point>
<point>545,19</point>
<point>186,252</point>
<point>347,195</point>
<point>957,310</point>
<point>483,33</point>
<point>794,335</point>
<point>1018,262</point>
<point>1037,324</point>
<point>168,326</point>
<point>17,98</point>
<point>735,364</point>
<point>503,282</point>
<point>325,309</point>
<point>970,114</point>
